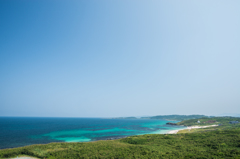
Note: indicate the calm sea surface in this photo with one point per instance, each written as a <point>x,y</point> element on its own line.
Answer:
<point>22,131</point>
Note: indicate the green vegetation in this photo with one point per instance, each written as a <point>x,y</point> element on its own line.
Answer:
<point>224,121</point>
<point>176,117</point>
<point>218,142</point>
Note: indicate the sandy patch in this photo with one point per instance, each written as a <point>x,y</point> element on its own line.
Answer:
<point>189,128</point>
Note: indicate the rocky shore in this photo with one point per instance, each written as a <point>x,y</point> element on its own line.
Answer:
<point>169,123</point>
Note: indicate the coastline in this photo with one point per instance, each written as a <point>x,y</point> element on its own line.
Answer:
<point>189,128</point>
<point>116,138</point>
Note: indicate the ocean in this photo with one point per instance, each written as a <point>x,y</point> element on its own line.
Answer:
<point>23,131</point>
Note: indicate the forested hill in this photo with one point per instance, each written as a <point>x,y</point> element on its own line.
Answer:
<point>176,117</point>
<point>224,121</point>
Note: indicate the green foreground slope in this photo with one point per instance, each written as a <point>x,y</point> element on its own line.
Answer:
<point>220,142</point>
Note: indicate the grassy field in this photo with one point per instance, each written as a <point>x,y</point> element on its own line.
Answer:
<point>218,142</point>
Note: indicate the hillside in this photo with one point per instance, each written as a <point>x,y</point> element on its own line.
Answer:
<point>224,121</point>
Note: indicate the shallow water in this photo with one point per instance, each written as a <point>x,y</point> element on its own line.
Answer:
<point>22,131</point>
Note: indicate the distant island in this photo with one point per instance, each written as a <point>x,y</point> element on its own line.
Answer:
<point>169,117</point>
<point>125,118</point>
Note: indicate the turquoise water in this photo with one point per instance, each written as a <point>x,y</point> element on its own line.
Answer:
<point>26,131</point>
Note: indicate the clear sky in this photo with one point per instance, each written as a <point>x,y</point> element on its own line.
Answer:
<point>92,58</point>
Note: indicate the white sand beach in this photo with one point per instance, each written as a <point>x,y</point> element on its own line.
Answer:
<point>189,128</point>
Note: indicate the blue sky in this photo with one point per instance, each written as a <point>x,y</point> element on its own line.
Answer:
<point>119,58</point>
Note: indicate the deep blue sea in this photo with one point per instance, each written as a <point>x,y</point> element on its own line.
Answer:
<point>22,131</point>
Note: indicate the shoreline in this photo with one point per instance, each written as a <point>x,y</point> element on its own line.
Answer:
<point>116,138</point>
<point>189,128</point>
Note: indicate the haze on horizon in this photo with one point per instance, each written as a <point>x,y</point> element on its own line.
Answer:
<point>119,58</point>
